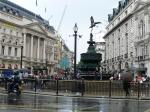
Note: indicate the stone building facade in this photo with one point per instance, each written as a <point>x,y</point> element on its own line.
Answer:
<point>100,48</point>
<point>20,27</point>
<point>128,35</point>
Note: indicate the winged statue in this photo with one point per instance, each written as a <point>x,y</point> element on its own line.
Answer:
<point>93,24</point>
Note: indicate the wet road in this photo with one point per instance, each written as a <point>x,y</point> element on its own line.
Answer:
<point>46,103</point>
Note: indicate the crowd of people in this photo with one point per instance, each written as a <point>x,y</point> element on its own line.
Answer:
<point>130,78</point>
<point>41,75</point>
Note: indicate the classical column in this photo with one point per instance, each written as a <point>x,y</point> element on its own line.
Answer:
<point>0,45</point>
<point>31,46</point>
<point>44,53</point>
<point>146,24</point>
<point>13,51</point>
<point>136,26</point>
<point>6,51</point>
<point>0,49</point>
<point>38,49</point>
<point>24,44</point>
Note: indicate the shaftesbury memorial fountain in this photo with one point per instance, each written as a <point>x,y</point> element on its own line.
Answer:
<point>90,61</point>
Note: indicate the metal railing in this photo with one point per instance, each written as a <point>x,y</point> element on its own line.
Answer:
<point>110,89</point>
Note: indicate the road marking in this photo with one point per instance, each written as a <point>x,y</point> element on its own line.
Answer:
<point>87,108</point>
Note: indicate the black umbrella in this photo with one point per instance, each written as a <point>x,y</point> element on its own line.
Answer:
<point>127,75</point>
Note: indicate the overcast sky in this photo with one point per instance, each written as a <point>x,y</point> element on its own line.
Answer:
<point>77,11</point>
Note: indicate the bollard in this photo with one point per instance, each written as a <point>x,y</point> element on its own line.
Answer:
<point>138,90</point>
<point>110,89</point>
<point>35,84</point>
<point>57,87</point>
<point>5,80</point>
<point>83,87</point>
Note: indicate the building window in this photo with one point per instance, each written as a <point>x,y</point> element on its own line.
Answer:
<point>136,51</point>
<point>146,50</point>
<point>3,50</point>
<point>4,8</point>
<point>126,25</point>
<point>9,51</point>
<point>3,40</point>
<point>10,11</point>
<point>119,45</point>
<point>131,22</point>
<point>16,33</point>
<point>131,54</point>
<point>16,13</point>
<point>16,43</point>
<point>142,51</point>
<point>119,32</point>
<point>126,13</point>
<point>126,43</point>
<point>141,29</point>
<point>16,51</point>
<point>119,19</point>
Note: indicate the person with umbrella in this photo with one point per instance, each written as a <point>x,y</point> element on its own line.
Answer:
<point>127,78</point>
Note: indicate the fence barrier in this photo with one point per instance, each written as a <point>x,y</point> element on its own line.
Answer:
<point>110,89</point>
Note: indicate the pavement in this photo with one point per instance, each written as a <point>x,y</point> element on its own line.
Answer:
<point>41,101</point>
<point>47,103</point>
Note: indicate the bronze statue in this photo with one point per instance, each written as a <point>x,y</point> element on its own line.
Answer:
<point>93,24</point>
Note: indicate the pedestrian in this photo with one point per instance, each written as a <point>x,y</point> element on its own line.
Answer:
<point>126,82</point>
<point>139,78</point>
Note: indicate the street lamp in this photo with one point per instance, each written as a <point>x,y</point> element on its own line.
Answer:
<point>21,57</point>
<point>75,28</point>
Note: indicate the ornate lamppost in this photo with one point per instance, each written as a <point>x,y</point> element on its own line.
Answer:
<point>75,29</point>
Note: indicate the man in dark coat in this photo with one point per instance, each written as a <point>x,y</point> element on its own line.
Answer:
<point>127,78</point>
